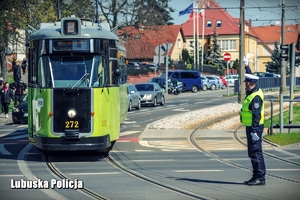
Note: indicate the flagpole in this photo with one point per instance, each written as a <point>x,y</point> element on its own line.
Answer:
<point>194,38</point>
<point>197,17</point>
<point>202,51</point>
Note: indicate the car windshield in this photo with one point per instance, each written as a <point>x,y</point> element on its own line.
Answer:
<point>210,78</point>
<point>144,87</point>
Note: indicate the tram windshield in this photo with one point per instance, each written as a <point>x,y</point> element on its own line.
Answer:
<point>72,71</point>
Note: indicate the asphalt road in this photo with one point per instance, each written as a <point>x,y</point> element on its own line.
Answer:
<point>173,161</point>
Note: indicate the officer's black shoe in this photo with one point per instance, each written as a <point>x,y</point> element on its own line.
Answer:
<point>256,182</point>
<point>252,179</point>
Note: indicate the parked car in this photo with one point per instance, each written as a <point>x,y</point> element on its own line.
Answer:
<point>223,80</point>
<point>222,85</point>
<point>151,94</point>
<point>214,82</point>
<point>266,75</point>
<point>205,83</point>
<point>161,82</point>
<point>191,79</point>
<point>20,112</point>
<point>134,98</point>
<point>231,79</point>
<point>133,65</point>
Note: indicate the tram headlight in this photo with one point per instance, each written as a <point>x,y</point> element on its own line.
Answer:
<point>16,110</point>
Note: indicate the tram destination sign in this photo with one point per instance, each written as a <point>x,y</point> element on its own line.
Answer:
<point>71,45</point>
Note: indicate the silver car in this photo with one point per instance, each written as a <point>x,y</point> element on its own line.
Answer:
<point>134,98</point>
<point>151,94</point>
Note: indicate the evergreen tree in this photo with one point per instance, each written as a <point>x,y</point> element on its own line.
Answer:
<point>185,55</point>
<point>274,66</point>
<point>214,52</point>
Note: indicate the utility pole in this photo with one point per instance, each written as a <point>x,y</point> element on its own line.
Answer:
<point>283,62</point>
<point>58,11</point>
<point>97,16</point>
<point>241,94</point>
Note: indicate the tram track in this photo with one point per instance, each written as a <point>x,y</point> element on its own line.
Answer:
<point>51,166</point>
<point>143,177</point>
<point>192,140</point>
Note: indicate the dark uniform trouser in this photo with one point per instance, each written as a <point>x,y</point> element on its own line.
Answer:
<point>18,99</point>
<point>255,153</point>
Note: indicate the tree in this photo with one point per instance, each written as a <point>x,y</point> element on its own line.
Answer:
<point>135,12</point>
<point>236,64</point>
<point>12,19</point>
<point>214,52</point>
<point>185,55</point>
<point>274,66</point>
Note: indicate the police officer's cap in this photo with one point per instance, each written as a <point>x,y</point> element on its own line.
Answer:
<point>251,78</point>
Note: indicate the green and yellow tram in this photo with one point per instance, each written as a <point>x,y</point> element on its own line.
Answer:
<point>77,92</point>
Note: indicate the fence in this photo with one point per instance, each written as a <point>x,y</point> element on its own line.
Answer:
<point>268,83</point>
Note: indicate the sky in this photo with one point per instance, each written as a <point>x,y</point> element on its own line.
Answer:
<point>264,15</point>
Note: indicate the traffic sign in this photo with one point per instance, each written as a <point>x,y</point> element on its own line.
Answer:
<point>227,56</point>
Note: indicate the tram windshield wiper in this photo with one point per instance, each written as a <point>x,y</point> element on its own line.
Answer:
<point>80,81</point>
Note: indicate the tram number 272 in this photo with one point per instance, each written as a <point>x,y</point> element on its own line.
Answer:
<point>71,124</point>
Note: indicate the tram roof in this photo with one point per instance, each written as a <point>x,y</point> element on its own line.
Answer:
<point>88,30</point>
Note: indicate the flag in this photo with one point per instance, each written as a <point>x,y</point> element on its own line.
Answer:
<point>188,10</point>
<point>201,13</point>
<point>192,16</point>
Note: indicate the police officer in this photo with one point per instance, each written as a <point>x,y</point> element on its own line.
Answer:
<point>252,116</point>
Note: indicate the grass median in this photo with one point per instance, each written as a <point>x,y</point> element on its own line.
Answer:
<point>285,138</point>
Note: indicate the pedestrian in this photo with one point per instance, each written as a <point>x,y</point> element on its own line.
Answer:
<point>16,70</point>
<point>252,116</point>
<point>6,96</point>
<point>19,88</point>
<point>1,86</point>
<point>24,65</point>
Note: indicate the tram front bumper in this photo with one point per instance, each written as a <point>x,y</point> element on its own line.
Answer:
<point>80,144</point>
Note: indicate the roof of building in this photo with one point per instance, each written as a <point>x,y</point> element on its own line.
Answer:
<point>141,43</point>
<point>270,34</point>
<point>229,25</point>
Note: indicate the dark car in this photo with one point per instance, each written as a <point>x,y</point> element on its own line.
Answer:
<point>20,112</point>
<point>151,93</point>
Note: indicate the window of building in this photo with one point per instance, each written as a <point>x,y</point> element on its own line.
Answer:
<point>178,43</point>
<point>227,44</point>
<point>219,23</point>
<point>208,23</point>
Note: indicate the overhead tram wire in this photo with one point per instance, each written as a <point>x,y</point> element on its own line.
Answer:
<point>254,7</point>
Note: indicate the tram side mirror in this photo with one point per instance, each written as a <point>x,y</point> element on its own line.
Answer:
<point>117,72</point>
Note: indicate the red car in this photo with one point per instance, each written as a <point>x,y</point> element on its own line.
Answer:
<point>223,80</point>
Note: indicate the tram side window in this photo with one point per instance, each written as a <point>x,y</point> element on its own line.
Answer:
<point>101,72</point>
<point>113,64</point>
<point>44,78</point>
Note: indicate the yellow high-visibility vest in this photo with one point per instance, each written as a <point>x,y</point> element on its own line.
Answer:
<point>246,114</point>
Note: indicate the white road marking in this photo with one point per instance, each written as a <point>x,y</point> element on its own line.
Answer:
<point>11,175</point>
<point>199,102</point>
<point>23,126</point>
<point>117,151</point>
<point>170,150</point>
<point>129,122</point>
<point>283,169</point>
<point>181,109</point>
<point>183,100</point>
<point>24,168</point>
<point>3,151</point>
<point>2,163</point>
<point>142,150</point>
<point>166,160</point>
<point>99,173</point>
<point>128,133</point>
<point>199,170</point>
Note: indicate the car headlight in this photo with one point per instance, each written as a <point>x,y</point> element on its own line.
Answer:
<point>16,110</point>
<point>148,96</point>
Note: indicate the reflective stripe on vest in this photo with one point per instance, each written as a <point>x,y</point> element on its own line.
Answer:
<point>246,114</point>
